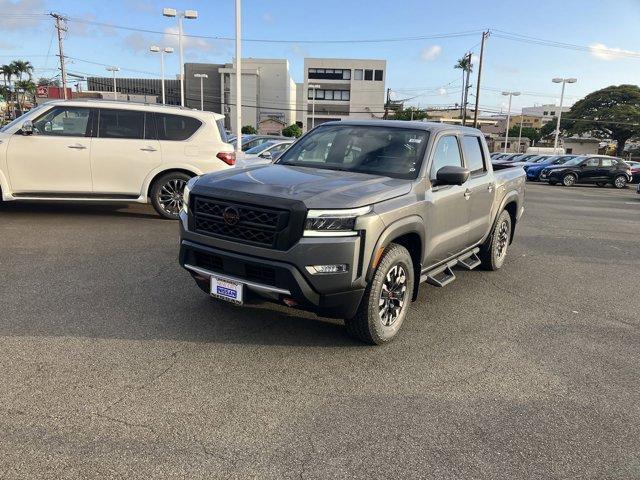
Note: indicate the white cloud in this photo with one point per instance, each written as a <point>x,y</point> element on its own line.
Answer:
<point>601,51</point>
<point>442,91</point>
<point>430,53</point>
<point>267,17</point>
<point>137,42</point>
<point>189,43</point>
<point>21,14</point>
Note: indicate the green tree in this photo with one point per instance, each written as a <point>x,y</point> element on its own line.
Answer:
<point>48,82</point>
<point>248,130</point>
<point>410,113</point>
<point>21,68</point>
<point>531,133</point>
<point>612,112</point>
<point>26,87</point>
<point>292,130</point>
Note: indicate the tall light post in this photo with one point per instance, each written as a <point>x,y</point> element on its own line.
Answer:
<point>161,51</point>
<point>506,134</point>
<point>313,104</point>
<point>114,70</point>
<point>201,76</point>
<point>563,81</point>
<point>189,15</point>
<point>520,132</point>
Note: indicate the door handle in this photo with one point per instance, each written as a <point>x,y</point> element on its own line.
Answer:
<point>148,149</point>
<point>77,146</point>
<point>467,194</point>
<point>490,187</point>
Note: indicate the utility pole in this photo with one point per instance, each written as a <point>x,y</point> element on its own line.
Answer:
<point>60,27</point>
<point>386,105</point>
<point>485,35</point>
<point>466,91</point>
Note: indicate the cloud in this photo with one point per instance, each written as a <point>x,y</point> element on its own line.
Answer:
<point>430,53</point>
<point>442,91</point>
<point>193,44</point>
<point>21,14</point>
<point>137,42</point>
<point>601,51</point>
<point>6,46</point>
<point>267,17</point>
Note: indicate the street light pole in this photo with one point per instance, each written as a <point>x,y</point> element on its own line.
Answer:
<point>313,104</point>
<point>506,134</point>
<point>201,76</point>
<point>520,133</point>
<point>238,79</point>
<point>162,51</point>
<point>190,15</point>
<point>115,90</point>
<point>564,81</point>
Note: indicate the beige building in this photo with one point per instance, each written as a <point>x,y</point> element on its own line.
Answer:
<point>528,121</point>
<point>271,126</point>
<point>337,89</point>
<point>581,146</point>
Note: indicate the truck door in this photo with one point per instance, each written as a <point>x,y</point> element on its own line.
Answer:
<point>480,188</point>
<point>447,215</point>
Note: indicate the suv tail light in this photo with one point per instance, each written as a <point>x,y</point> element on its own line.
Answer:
<point>227,157</point>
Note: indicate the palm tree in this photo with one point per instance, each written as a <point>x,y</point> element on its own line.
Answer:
<point>466,66</point>
<point>7,72</point>
<point>27,86</point>
<point>22,67</point>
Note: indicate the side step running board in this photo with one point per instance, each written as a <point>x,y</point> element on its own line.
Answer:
<point>469,260</point>
<point>443,275</point>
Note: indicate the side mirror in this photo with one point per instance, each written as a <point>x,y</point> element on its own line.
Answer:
<point>27,127</point>
<point>266,155</point>
<point>451,175</point>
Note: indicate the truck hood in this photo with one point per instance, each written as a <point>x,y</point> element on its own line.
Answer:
<point>317,188</point>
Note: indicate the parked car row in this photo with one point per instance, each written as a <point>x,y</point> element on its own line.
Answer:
<point>570,170</point>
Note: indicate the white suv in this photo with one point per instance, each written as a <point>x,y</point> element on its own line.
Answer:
<point>114,151</point>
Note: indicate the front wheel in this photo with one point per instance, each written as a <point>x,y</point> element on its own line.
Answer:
<point>166,194</point>
<point>494,251</point>
<point>569,180</point>
<point>620,181</point>
<point>385,303</point>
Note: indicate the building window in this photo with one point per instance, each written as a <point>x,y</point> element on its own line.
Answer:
<point>545,114</point>
<point>357,74</point>
<point>378,76</point>
<point>553,114</point>
<point>322,94</point>
<point>329,74</point>
<point>328,94</point>
<point>368,74</point>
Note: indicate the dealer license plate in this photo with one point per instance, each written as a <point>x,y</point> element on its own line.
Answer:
<point>227,290</point>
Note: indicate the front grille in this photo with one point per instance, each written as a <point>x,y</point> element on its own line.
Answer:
<point>250,224</point>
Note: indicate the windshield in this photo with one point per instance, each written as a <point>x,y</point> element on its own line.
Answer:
<point>389,151</point>
<point>260,148</point>
<point>20,119</point>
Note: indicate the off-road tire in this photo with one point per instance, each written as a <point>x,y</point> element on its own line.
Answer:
<point>367,325</point>
<point>179,178</point>
<point>490,252</point>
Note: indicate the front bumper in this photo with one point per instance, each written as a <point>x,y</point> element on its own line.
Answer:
<point>273,280</point>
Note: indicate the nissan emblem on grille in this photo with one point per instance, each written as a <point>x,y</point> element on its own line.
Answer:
<point>231,216</point>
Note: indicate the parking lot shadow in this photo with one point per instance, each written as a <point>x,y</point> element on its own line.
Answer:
<point>97,209</point>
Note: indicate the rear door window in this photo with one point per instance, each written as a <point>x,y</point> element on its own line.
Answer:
<point>608,162</point>
<point>176,127</point>
<point>123,124</point>
<point>473,154</point>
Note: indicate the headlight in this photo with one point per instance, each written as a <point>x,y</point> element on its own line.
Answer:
<point>186,193</point>
<point>333,223</point>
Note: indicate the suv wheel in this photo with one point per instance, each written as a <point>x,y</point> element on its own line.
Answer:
<point>620,181</point>
<point>494,250</point>
<point>569,180</point>
<point>166,194</point>
<point>385,303</point>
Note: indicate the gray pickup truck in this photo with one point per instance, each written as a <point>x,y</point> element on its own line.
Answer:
<point>351,219</point>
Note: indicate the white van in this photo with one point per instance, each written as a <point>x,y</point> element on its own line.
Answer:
<point>88,151</point>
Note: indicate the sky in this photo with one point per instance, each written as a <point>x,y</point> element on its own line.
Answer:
<point>419,69</point>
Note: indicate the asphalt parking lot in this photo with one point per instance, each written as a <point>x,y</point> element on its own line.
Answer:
<point>115,365</point>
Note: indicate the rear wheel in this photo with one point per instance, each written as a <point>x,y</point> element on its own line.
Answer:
<point>166,194</point>
<point>569,180</point>
<point>385,303</point>
<point>494,250</point>
<point>620,181</point>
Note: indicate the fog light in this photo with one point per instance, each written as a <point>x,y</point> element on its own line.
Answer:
<point>338,268</point>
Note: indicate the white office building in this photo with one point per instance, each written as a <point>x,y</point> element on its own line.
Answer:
<point>545,112</point>
<point>268,91</point>
<point>338,89</point>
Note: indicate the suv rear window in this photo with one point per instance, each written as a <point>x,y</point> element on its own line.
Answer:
<point>388,151</point>
<point>176,127</point>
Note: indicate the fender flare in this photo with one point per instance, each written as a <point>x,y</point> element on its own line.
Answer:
<point>512,195</point>
<point>165,167</point>
<point>410,224</point>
